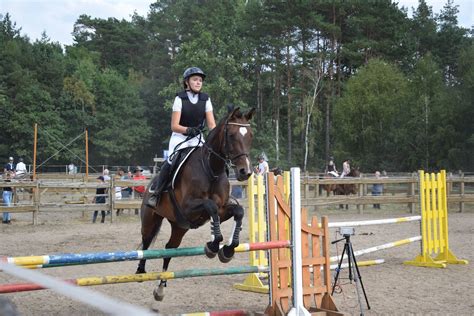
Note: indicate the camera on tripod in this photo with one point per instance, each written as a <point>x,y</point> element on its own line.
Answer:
<point>347,231</point>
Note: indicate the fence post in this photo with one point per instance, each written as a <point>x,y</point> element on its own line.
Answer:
<point>112,198</point>
<point>461,204</point>
<point>36,200</point>
<point>411,193</point>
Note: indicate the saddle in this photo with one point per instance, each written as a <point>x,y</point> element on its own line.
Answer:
<point>179,158</point>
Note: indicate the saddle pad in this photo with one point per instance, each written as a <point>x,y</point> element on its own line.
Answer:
<point>179,161</point>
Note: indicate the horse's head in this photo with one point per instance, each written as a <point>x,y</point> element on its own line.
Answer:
<point>233,137</point>
<point>238,141</point>
<point>354,172</point>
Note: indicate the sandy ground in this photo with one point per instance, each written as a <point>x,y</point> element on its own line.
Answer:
<point>392,288</point>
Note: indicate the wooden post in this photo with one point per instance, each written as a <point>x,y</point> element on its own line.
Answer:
<point>461,204</point>
<point>34,150</point>
<point>36,201</point>
<point>112,198</point>
<point>359,194</point>
<point>87,154</point>
<point>411,193</point>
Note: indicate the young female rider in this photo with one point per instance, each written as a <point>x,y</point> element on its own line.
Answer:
<point>191,108</point>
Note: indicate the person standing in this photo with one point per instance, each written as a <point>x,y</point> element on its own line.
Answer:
<point>7,198</point>
<point>262,167</point>
<point>20,168</point>
<point>118,189</point>
<point>191,109</point>
<point>10,166</point>
<point>106,174</point>
<point>100,199</point>
<point>377,188</point>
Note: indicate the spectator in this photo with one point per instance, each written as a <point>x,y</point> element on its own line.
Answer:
<point>7,198</point>
<point>127,192</point>
<point>140,190</point>
<point>10,166</point>
<point>137,176</point>
<point>262,167</point>
<point>377,188</point>
<point>71,168</point>
<point>20,168</point>
<point>100,199</point>
<point>346,168</point>
<point>118,189</point>
<point>236,191</point>
<point>106,175</point>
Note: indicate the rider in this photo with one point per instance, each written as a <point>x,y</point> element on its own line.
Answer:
<point>346,168</point>
<point>191,108</point>
<point>331,167</point>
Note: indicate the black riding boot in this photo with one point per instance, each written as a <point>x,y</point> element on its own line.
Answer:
<point>154,199</point>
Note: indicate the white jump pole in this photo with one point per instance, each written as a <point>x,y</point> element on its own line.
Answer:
<point>297,257</point>
<point>376,221</point>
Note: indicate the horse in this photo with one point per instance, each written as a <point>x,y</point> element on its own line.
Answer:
<point>201,192</point>
<point>347,189</point>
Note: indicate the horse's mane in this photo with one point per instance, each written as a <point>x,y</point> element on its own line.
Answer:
<point>220,125</point>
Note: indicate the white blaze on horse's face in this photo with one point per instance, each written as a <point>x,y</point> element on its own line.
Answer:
<point>243,131</point>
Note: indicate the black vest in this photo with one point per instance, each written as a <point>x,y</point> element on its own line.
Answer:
<point>193,115</point>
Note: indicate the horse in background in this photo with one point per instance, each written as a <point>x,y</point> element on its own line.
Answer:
<point>347,189</point>
<point>200,192</point>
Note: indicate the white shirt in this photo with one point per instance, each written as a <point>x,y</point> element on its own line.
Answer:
<point>20,168</point>
<point>178,138</point>
<point>262,167</point>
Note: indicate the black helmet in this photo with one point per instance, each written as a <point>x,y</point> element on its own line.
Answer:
<point>193,71</point>
<point>331,158</point>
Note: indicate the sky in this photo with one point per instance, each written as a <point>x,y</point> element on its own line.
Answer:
<point>57,17</point>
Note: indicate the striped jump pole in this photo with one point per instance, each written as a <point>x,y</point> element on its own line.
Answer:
<point>49,261</point>
<point>151,276</point>
<point>236,312</point>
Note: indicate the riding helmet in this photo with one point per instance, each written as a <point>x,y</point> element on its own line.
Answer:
<point>193,71</point>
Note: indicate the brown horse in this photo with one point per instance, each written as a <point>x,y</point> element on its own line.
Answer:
<point>347,189</point>
<point>201,192</point>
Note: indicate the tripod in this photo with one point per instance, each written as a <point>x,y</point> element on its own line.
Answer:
<point>354,273</point>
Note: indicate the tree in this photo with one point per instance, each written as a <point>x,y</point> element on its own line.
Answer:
<point>367,116</point>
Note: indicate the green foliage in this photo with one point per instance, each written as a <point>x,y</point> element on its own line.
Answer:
<point>354,79</point>
<point>367,116</point>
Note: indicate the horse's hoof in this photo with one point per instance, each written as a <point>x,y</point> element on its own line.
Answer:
<point>140,270</point>
<point>209,253</point>
<point>159,293</point>
<point>226,254</point>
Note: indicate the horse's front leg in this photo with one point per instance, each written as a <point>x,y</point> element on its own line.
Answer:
<point>177,234</point>
<point>212,247</point>
<point>226,253</point>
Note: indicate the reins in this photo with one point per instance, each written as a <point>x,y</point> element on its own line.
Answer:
<point>228,161</point>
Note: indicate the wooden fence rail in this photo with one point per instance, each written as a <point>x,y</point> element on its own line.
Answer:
<point>76,193</point>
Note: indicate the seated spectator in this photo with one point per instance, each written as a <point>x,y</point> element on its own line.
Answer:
<point>137,175</point>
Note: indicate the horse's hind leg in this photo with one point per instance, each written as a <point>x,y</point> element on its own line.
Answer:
<point>177,234</point>
<point>151,224</point>
<point>226,253</point>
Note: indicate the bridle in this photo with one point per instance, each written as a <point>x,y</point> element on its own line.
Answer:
<point>228,161</point>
